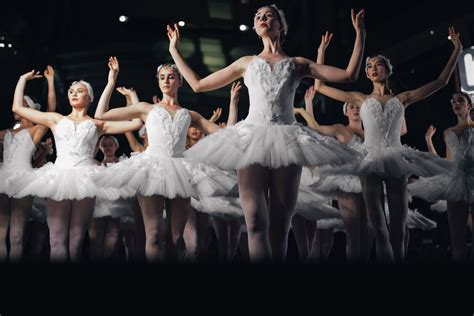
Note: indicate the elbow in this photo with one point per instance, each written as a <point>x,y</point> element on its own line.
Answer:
<point>15,109</point>
<point>98,116</point>
<point>196,88</point>
<point>353,76</point>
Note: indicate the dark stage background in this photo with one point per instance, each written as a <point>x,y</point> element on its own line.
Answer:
<point>76,37</point>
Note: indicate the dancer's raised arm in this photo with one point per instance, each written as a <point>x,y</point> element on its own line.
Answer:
<point>412,96</point>
<point>48,119</point>
<point>213,81</point>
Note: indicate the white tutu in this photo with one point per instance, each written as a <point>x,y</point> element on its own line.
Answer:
<point>313,206</point>
<point>273,146</point>
<point>456,186</point>
<point>224,207</point>
<point>398,162</point>
<point>417,220</point>
<point>58,183</point>
<point>167,176</point>
<point>440,206</point>
<point>16,170</point>
<point>118,208</point>
<point>333,223</point>
<point>329,185</point>
<point>383,153</point>
<point>269,135</point>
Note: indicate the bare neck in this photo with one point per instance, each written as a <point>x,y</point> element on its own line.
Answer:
<point>271,46</point>
<point>170,100</point>
<point>79,113</point>
<point>381,89</point>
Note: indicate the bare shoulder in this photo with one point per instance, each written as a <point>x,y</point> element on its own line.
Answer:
<point>446,131</point>
<point>56,117</point>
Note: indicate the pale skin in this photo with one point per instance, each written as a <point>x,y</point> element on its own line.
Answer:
<point>104,232</point>
<point>351,205</point>
<point>390,247</point>
<point>152,206</point>
<point>131,96</point>
<point>14,212</point>
<point>227,231</point>
<point>459,211</point>
<point>134,238</point>
<point>268,215</point>
<point>68,220</point>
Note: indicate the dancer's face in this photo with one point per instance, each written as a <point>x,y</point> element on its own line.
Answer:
<point>376,70</point>
<point>353,112</point>
<point>168,80</point>
<point>78,96</point>
<point>460,104</point>
<point>194,133</point>
<point>108,147</point>
<point>267,23</point>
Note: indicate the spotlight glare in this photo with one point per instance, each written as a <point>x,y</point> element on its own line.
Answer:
<point>10,45</point>
<point>123,18</point>
<point>181,23</point>
<point>243,27</point>
<point>432,32</point>
<point>2,45</point>
<point>449,37</point>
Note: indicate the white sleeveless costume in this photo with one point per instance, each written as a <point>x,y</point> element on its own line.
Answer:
<point>458,183</point>
<point>16,171</point>
<point>383,153</point>
<point>270,135</point>
<point>161,169</point>
<point>70,177</point>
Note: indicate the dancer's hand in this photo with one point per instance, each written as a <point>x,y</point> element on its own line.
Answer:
<point>114,68</point>
<point>31,75</point>
<point>358,21</point>
<point>325,40</point>
<point>216,114</point>
<point>48,144</point>
<point>235,91</point>
<point>173,36</point>
<point>298,111</point>
<point>126,91</point>
<point>309,94</point>
<point>49,73</point>
<point>454,38</point>
<point>430,132</point>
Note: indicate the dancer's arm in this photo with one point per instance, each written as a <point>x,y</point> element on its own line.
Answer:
<point>234,103</point>
<point>334,74</point>
<point>48,119</point>
<point>319,85</point>
<point>412,96</point>
<point>429,139</point>
<point>135,111</point>
<point>213,81</point>
<point>216,114</point>
<point>37,132</point>
<point>203,124</point>
<point>448,151</point>
<point>132,97</point>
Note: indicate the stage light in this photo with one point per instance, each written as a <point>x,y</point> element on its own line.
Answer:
<point>431,32</point>
<point>181,23</point>
<point>123,18</point>
<point>2,45</point>
<point>10,45</point>
<point>449,37</point>
<point>243,27</point>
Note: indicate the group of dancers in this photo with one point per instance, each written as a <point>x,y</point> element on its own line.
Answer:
<point>263,175</point>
